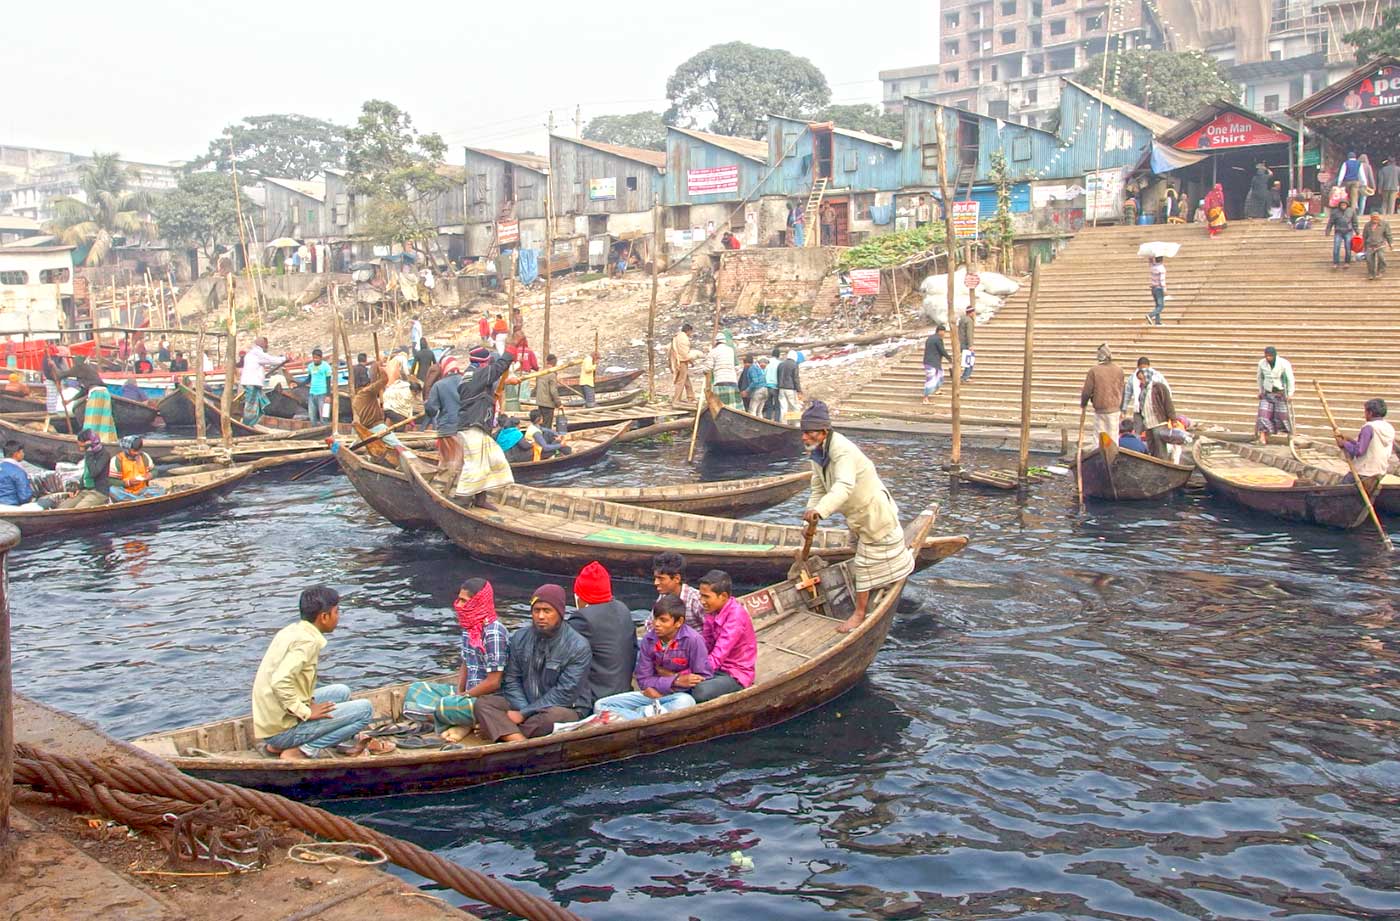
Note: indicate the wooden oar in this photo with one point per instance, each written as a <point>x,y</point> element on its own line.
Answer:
<point>1351,465</point>
<point>1079,460</point>
<point>700,406</point>
<point>360,444</point>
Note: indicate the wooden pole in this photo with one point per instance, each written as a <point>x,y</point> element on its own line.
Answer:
<point>510,307</point>
<point>335,372</point>
<point>1351,465</point>
<point>230,363</point>
<point>651,307</point>
<point>349,368</point>
<point>199,423</point>
<point>1079,459</point>
<point>242,238</point>
<point>950,244</point>
<point>1024,464</point>
<point>548,260</point>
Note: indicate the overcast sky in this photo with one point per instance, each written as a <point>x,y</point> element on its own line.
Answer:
<point>155,80</point>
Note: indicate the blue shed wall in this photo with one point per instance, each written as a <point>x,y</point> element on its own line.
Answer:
<point>877,166</point>
<point>685,153</point>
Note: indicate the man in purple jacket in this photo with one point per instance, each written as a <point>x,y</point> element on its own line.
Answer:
<point>669,650</point>
<point>729,637</point>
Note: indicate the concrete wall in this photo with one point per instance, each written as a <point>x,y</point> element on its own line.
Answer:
<point>787,277</point>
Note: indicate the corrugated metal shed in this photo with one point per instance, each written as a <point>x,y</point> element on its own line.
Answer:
<point>594,178</point>
<point>860,161</point>
<point>697,161</point>
<point>495,177</point>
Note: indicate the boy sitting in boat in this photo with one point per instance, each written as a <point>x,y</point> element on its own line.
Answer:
<point>546,670</point>
<point>291,717</point>
<point>669,650</point>
<point>730,639</point>
<point>485,641</point>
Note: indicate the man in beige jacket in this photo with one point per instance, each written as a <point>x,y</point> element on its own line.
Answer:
<point>1103,386</point>
<point>844,480</point>
<point>680,356</point>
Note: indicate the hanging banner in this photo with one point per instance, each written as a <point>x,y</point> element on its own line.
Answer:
<point>1103,194</point>
<point>1229,130</point>
<point>602,189</point>
<point>965,219</point>
<point>1379,90</point>
<point>713,180</point>
<point>865,282</point>
<point>507,232</point>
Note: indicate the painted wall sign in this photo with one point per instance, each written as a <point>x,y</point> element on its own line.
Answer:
<point>713,180</point>
<point>1229,130</point>
<point>507,231</point>
<point>1380,90</point>
<point>865,282</point>
<point>602,189</point>
<point>965,218</point>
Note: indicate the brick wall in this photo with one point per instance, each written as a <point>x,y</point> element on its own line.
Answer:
<point>789,277</point>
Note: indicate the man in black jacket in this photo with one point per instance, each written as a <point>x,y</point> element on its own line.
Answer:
<point>607,625</point>
<point>484,464</point>
<point>789,388</point>
<point>934,354</point>
<point>442,407</point>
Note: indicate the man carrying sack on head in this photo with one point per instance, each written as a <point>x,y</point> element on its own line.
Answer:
<point>844,480</point>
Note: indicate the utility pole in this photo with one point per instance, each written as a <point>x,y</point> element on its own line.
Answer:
<point>578,121</point>
<point>950,246</point>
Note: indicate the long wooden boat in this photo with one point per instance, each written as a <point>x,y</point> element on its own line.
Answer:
<point>1268,479</point>
<point>605,383</point>
<point>1117,474</point>
<point>181,492</point>
<point>282,403</point>
<point>131,417</point>
<point>602,401</point>
<point>45,447</point>
<point>540,529</point>
<point>581,419</point>
<point>177,408</point>
<point>388,491</point>
<point>294,400</point>
<point>726,430</point>
<point>589,447</point>
<point>803,663</point>
<point>1329,463</point>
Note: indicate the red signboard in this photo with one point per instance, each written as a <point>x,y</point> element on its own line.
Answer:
<point>1230,129</point>
<point>507,232</point>
<point>865,282</point>
<point>1376,90</point>
<point>712,180</point>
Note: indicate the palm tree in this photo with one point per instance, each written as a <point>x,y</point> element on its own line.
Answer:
<point>109,211</point>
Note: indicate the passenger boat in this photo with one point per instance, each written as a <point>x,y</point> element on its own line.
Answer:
<point>283,403</point>
<point>605,383</point>
<point>177,408</point>
<point>131,417</point>
<point>388,491</point>
<point>1116,473</point>
<point>540,529</point>
<point>602,401</point>
<point>803,663</point>
<point>726,430</point>
<point>1329,462</point>
<point>45,447</point>
<point>581,419</point>
<point>181,492</point>
<point>1268,479</point>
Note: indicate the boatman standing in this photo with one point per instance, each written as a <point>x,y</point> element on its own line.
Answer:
<point>844,480</point>
<point>1371,449</point>
<point>1103,386</point>
<point>484,464</point>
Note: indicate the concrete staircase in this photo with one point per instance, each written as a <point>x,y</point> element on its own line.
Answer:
<point>1258,284</point>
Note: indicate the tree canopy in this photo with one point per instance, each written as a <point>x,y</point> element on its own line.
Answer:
<point>198,212</point>
<point>1170,83</point>
<point>399,170</point>
<point>1381,40</point>
<point>732,89</point>
<point>864,117</point>
<point>284,146</point>
<point>107,210</point>
<point>645,130</point>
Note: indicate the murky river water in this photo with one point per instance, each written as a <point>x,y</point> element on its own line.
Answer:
<point>1164,711</point>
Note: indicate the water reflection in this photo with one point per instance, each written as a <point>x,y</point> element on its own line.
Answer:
<point>1175,710</point>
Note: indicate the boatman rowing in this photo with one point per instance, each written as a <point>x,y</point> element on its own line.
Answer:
<point>844,480</point>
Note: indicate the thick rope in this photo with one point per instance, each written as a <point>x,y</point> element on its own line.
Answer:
<point>142,795</point>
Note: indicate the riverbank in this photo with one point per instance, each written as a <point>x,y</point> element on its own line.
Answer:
<point>69,865</point>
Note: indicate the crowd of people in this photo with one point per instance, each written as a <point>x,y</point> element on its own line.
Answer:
<point>767,386</point>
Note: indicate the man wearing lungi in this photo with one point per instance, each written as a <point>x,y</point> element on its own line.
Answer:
<point>484,464</point>
<point>1275,378</point>
<point>844,480</point>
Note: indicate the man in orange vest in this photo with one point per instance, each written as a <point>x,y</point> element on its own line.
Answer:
<point>131,471</point>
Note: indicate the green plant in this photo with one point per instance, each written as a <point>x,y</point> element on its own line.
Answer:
<point>1000,230</point>
<point>891,249</point>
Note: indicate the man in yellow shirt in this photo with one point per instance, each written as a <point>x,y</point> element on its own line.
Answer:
<point>291,717</point>
<point>586,377</point>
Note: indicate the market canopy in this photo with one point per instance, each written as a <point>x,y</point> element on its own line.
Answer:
<point>1222,126</point>
<point>1361,110</point>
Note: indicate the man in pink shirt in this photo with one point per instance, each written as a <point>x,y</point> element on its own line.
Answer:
<point>729,636</point>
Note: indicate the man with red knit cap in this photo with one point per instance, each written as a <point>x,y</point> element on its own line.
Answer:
<point>607,625</point>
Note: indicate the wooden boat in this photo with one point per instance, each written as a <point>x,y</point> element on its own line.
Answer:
<point>282,403</point>
<point>803,663</point>
<point>589,447</point>
<point>388,491</point>
<point>1329,463</point>
<point>45,447</point>
<point>294,400</point>
<point>1117,473</point>
<point>177,408</point>
<point>303,428</point>
<point>726,430</point>
<point>181,492</point>
<point>602,401</point>
<point>1267,479</point>
<point>605,383</point>
<point>581,419</point>
<point>131,416</point>
<point>540,529</point>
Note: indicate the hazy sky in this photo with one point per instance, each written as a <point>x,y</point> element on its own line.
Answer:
<point>155,80</point>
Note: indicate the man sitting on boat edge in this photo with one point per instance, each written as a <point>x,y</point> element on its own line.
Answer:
<point>844,480</point>
<point>485,645</point>
<point>606,624</point>
<point>291,717</point>
<point>1371,450</point>
<point>669,650</point>
<point>729,637</point>
<point>131,470</point>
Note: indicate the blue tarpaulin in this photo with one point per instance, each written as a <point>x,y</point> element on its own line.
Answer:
<point>527,269</point>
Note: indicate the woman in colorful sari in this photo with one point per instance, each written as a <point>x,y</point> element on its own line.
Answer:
<point>97,403</point>
<point>1215,209</point>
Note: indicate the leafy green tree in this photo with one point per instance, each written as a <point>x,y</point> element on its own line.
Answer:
<point>1376,42</point>
<point>198,212</point>
<point>107,210</point>
<point>283,146</point>
<point>1000,229</point>
<point>864,117</point>
<point>644,130</point>
<point>1170,83</point>
<point>399,170</point>
<point>734,87</point>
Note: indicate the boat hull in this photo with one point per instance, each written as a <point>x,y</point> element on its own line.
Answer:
<point>1338,506</point>
<point>725,430</point>
<point>1131,476</point>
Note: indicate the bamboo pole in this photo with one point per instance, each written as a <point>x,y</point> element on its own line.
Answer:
<point>949,245</point>
<point>1351,465</point>
<point>199,423</point>
<point>242,237</point>
<point>548,260</point>
<point>230,363</point>
<point>510,304</point>
<point>349,368</point>
<point>1079,459</point>
<point>336,331</point>
<point>651,306</point>
<point>1024,463</point>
